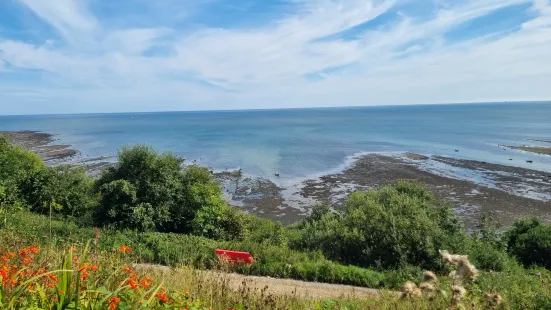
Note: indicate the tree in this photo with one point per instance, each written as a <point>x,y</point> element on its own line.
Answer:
<point>15,165</point>
<point>15,161</point>
<point>152,191</point>
<point>63,190</point>
<point>391,227</point>
<point>530,241</point>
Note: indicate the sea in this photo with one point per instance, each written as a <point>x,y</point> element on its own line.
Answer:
<point>303,143</point>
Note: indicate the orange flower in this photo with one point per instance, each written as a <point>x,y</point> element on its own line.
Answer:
<point>125,249</point>
<point>74,250</point>
<point>132,283</point>
<point>51,285</point>
<point>28,260</point>
<point>113,303</point>
<point>162,296</point>
<point>144,283</point>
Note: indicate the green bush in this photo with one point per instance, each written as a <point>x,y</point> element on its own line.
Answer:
<point>394,226</point>
<point>15,165</point>
<point>15,161</point>
<point>66,189</point>
<point>530,241</point>
<point>149,191</point>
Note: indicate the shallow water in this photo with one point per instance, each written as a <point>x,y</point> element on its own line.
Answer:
<point>303,143</point>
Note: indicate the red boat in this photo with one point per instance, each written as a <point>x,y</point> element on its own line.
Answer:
<point>234,257</point>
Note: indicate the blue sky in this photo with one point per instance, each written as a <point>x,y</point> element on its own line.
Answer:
<point>73,56</point>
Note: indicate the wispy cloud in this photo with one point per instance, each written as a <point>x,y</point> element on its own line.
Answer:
<point>100,55</point>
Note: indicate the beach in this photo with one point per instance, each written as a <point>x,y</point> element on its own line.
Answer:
<point>473,187</point>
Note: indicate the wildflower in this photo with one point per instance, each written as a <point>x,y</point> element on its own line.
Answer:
<point>495,298</point>
<point>113,303</point>
<point>51,285</point>
<point>426,287</point>
<point>465,269</point>
<point>458,293</point>
<point>125,249</point>
<point>429,276</point>
<point>162,296</point>
<point>451,258</point>
<point>132,283</point>
<point>410,290</point>
<point>74,250</point>
<point>128,269</point>
<point>144,283</point>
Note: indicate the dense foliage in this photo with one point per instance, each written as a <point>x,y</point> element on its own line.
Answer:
<point>530,241</point>
<point>390,227</point>
<point>149,191</point>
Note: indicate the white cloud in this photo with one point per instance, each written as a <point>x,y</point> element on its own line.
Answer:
<point>271,65</point>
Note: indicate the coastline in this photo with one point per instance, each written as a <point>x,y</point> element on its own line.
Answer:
<point>44,145</point>
<point>473,187</point>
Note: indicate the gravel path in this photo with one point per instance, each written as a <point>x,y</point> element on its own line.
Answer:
<point>279,287</point>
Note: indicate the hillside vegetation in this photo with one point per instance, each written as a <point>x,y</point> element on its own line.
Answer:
<point>173,214</point>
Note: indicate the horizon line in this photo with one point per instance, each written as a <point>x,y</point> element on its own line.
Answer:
<point>282,109</point>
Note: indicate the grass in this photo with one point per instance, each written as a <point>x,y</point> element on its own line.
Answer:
<point>87,278</point>
<point>519,288</point>
<point>178,250</point>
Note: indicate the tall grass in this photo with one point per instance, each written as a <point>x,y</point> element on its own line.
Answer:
<point>519,288</point>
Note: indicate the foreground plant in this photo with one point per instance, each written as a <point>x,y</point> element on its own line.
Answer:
<point>462,279</point>
<point>82,281</point>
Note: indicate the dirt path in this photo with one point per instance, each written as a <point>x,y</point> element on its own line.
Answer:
<point>274,286</point>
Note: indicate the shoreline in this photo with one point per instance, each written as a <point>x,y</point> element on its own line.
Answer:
<point>473,187</point>
<point>43,144</point>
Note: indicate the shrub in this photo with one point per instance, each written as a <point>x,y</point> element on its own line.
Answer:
<point>66,189</point>
<point>530,241</point>
<point>391,227</point>
<point>151,191</point>
<point>15,161</point>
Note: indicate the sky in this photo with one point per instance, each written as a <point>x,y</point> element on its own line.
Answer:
<point>89,56</point>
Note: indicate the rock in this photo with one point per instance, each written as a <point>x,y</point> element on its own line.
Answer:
<point>277,174</point>
<point>529,161</point>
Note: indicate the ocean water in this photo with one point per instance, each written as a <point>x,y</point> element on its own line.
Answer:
<point>301,143</point>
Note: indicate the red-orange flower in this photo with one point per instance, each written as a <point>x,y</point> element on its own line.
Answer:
<point>113,303</point>
<point>125,249</point>
<point>162,296</point>
<point>144,283</point>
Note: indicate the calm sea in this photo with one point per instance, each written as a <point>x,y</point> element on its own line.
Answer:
<point>300,143</point>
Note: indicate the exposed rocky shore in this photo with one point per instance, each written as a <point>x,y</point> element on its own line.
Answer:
<point>473,187</point>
